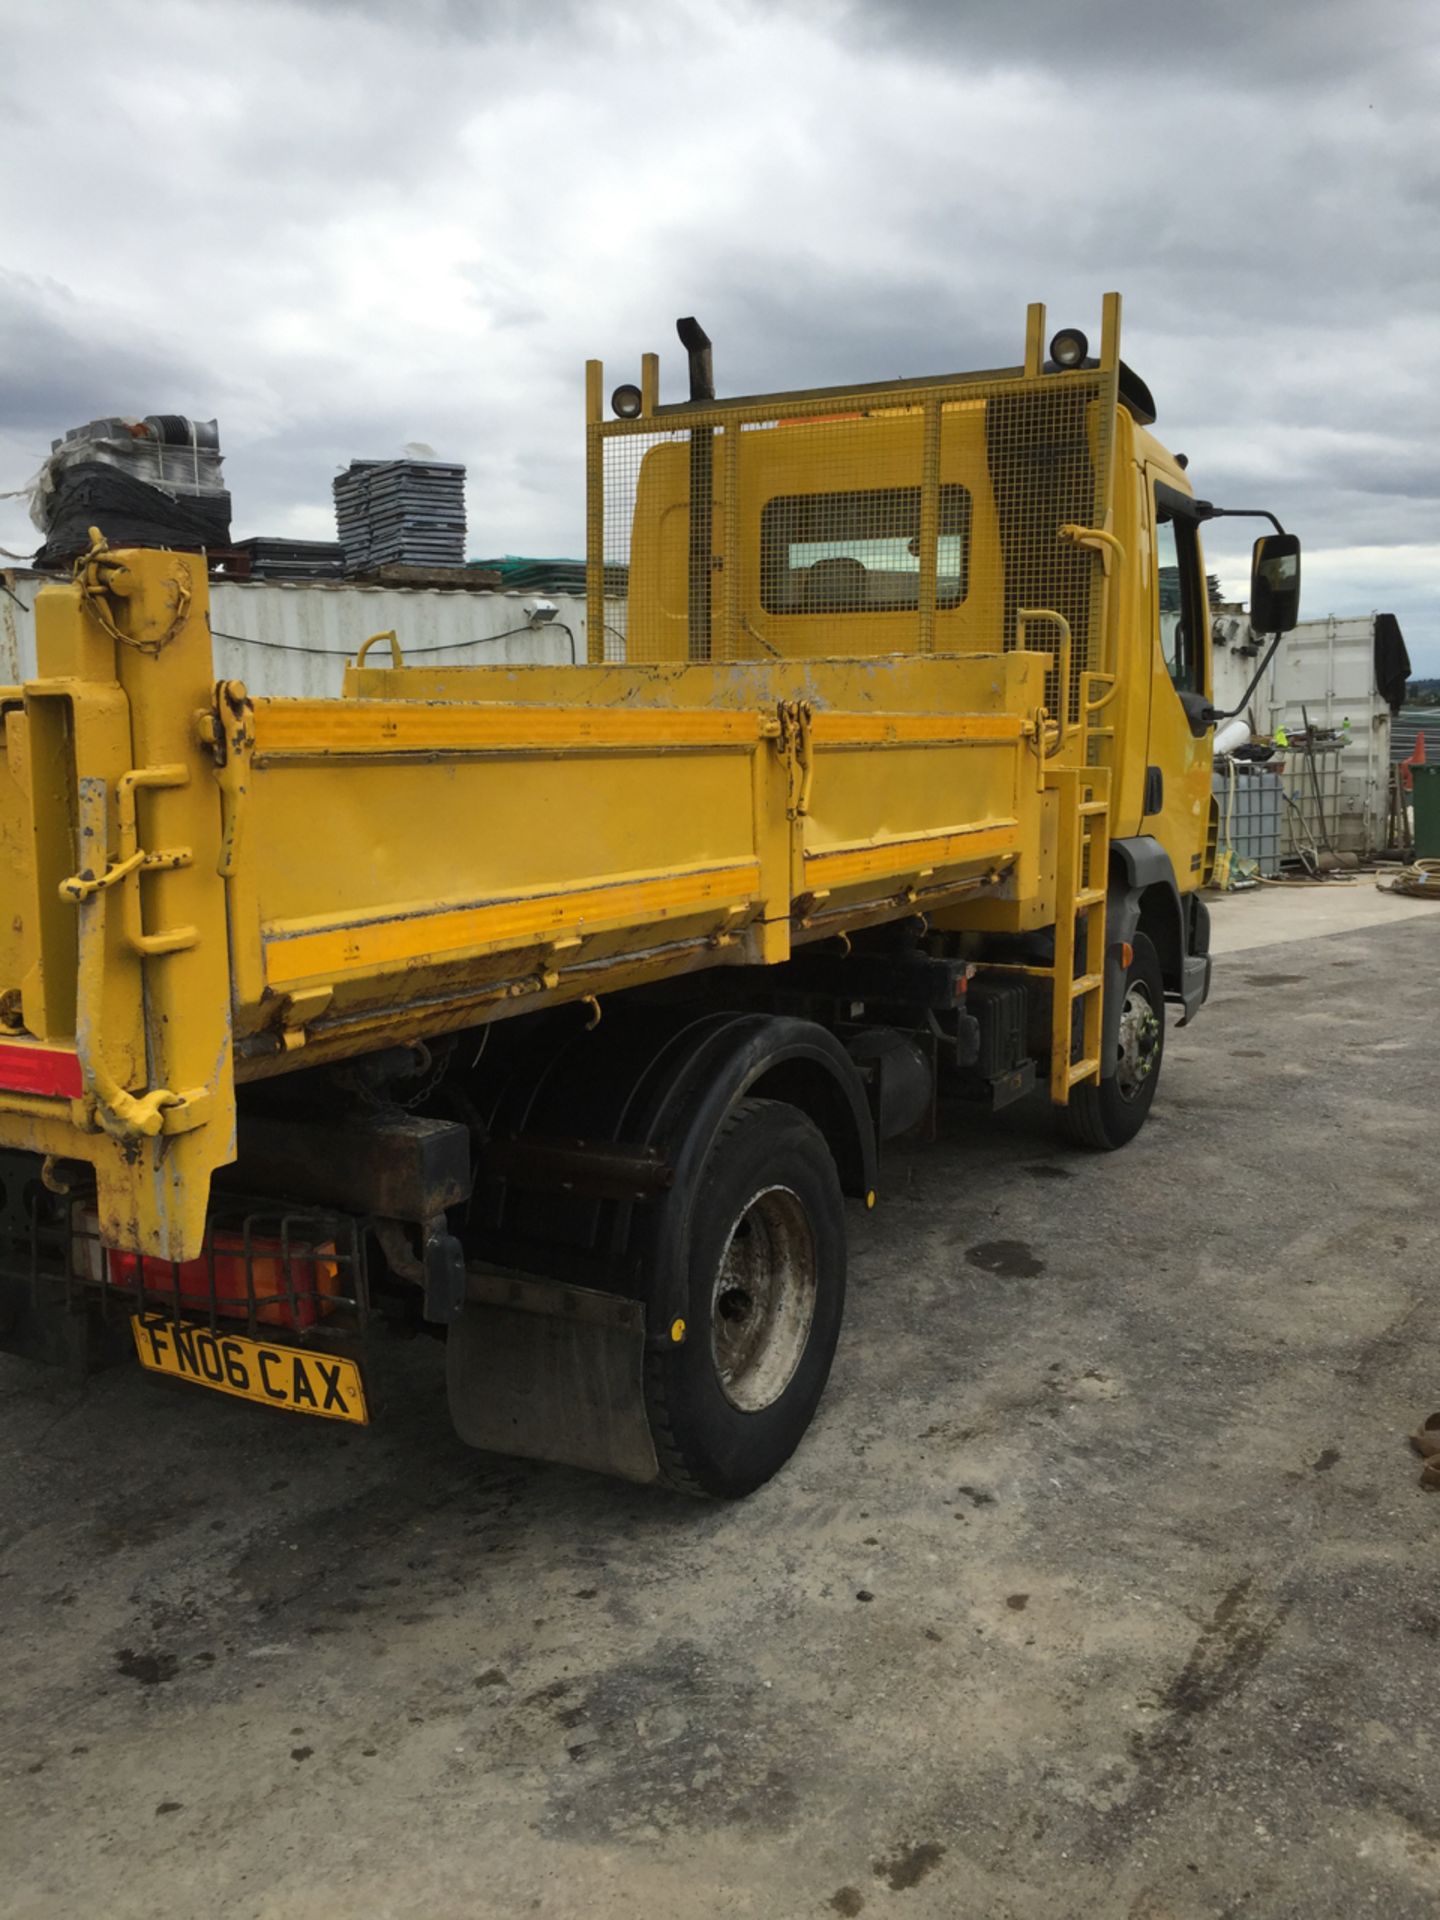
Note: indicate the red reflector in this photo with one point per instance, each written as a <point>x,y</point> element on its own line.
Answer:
<point>40,1070</point>
<point>1127,954</point>
<point>289,1287</point>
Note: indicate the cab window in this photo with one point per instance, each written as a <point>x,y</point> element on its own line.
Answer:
<point>1182,609</point>
<point>859,552</point>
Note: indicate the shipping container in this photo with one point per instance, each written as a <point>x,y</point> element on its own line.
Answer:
<point>1324,669</point>
<point>290,639</point>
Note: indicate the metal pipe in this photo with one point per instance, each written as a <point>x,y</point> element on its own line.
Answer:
<point>594,514</point>
<point>929,525</point>
<point>696,343</point>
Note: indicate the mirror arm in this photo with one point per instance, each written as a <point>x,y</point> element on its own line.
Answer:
<point>1207,510</point>
<point>1212,715</point>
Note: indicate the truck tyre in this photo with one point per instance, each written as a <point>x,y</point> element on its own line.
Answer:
<point>1110,1115</point>
<point>731,1392</point>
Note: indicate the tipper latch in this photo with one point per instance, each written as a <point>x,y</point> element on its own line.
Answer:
<point>227,732</point>
<point>796,718</point>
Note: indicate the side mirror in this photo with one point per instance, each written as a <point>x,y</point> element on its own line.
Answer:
<point>1275,583</point>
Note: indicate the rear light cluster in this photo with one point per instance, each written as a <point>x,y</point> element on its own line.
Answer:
<point>274,1280</point>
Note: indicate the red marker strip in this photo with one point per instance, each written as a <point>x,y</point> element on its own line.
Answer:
<point>40,1070</point>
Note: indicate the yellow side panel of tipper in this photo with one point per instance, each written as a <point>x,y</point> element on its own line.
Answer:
<point>460,855</point>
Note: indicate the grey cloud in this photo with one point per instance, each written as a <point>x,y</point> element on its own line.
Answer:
<point>477,22</point>
<point>812,323</point>
<point>363,225</point>
<point>1256,49</point>
<point>61,364</point>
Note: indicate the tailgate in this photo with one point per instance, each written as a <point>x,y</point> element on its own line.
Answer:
<point>114,970</point>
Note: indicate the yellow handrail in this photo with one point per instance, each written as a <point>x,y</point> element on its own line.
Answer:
<point>1047,615</point>
<point>397,659</point>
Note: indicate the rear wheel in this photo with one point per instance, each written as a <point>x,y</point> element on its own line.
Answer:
<point>729,1401</point>
<point>1110,1115</point>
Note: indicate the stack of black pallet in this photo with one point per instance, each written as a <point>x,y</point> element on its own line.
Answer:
<point>272,558</point>
<point>145,483</point>
<point>401,513</point>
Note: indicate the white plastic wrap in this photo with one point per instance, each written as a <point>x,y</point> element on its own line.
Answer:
<point>182,457</point>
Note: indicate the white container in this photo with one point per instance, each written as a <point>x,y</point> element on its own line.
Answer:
<point>1325,668</point>
<point>292,638</point>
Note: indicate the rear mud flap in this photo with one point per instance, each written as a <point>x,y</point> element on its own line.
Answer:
<point>551,1372</point>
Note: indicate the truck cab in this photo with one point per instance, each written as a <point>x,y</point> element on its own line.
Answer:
<point>823,532</point>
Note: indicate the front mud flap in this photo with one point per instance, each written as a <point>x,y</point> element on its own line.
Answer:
<point>551,1372</point>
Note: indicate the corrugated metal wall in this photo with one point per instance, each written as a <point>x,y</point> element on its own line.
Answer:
<point>1326,669</point>
<point>15,621</point>
<point>292,638</point>
<point>1327,665</point>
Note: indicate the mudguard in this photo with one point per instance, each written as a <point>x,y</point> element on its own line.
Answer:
<point>1144,898</point>
<point>741,1056</point>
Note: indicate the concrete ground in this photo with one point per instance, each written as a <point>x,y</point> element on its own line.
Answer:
<point>1276,912</point>
<point>1103,1586</point>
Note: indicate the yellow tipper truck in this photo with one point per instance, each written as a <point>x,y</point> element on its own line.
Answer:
<point>558,1010</point>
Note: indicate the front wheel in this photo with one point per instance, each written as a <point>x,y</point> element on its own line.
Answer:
<point>1110,1115</point>
<point>729,1401</point>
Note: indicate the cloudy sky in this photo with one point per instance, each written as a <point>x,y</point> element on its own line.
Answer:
<point>342,228</point>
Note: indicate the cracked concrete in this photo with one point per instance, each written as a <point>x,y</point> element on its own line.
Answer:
<point>1104,1584</point>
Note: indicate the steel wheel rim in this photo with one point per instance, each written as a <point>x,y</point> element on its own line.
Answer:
<point>762,1304</point>
<point>1139,1041</point>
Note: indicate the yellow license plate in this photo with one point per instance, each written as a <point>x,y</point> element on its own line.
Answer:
<point>276,1376</point>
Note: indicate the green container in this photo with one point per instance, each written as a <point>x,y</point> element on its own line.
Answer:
<point>1426,796</point>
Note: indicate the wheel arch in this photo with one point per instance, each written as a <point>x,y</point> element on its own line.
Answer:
<point>745,1057</point>
<point>760,1056</point>
<point>1142,898</point>
<point>822,1095</point>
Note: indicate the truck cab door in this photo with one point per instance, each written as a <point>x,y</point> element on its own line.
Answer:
<point>1178,763</point>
